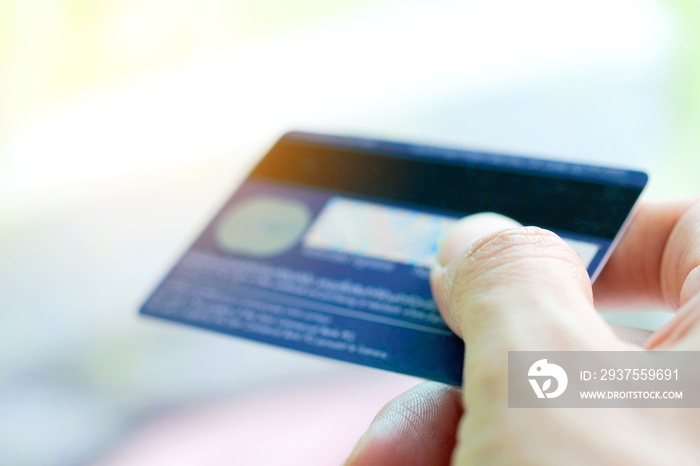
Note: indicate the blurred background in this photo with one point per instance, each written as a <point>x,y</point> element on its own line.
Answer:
<point>125,124</point>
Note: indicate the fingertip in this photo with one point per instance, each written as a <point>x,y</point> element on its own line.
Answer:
<point>418,427</point>
<point>457,240</point>
<point>460,236</point>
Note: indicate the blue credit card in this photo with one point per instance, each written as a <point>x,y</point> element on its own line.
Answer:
<point>326,246</point>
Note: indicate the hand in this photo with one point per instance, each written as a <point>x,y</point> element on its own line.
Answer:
<point>525,289</point>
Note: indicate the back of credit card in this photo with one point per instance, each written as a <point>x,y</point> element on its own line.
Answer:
<point>326,246</point>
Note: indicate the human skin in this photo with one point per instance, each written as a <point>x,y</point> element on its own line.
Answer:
<point>503,287</point>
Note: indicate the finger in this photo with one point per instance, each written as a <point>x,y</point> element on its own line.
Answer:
<point>522,289</point>
<point>680,279</point>
<point>416,428</point>
<point>680,265</point>
<point>682,333</point>
<point>456,242</point>
<point>633,275</point>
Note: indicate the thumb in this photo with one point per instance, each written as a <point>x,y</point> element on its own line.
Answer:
<point>518,288</point>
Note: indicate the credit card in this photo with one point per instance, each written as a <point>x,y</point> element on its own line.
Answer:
<point>325,248</point>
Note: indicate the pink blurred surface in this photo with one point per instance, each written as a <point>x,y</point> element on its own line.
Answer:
<point>310,423</point>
